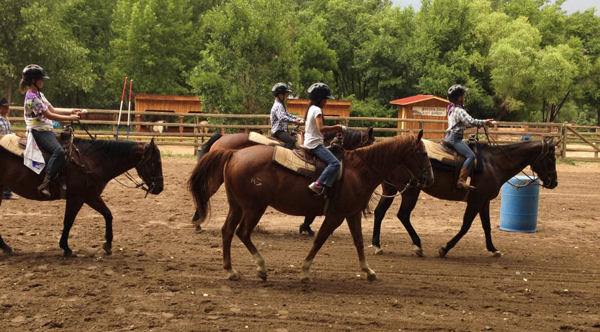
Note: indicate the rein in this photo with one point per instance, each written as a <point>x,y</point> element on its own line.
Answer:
<point>545,151</point>
<point>143,160</point>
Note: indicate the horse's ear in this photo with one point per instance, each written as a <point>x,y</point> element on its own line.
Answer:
<point>370,132</point>
<point>152,142</point>
<point>420,135</point>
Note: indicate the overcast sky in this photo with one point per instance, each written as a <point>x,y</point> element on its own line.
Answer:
<point>570,6</point>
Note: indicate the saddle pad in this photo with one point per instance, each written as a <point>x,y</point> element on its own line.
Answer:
<point>288,159</point>
<point>434,151</point>
<point>11,143</point>
<point>262,139</point>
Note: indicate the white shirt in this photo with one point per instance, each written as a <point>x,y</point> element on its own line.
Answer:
<point>312,135</point>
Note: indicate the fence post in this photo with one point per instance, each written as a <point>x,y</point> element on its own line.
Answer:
<point>563,138</point>
<point>196,122</point>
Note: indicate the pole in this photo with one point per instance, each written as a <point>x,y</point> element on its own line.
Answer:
<point>129,108</point>
<point>120,109</point>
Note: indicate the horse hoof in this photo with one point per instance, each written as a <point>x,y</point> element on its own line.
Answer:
<point>70,254</point>
<point>442,252</point>
<point>378,251</point>
<point>306,229</point>
<point>306,280</point>
<point>262,275</point>
<point>371,277</point>
<point>233,276</point>
<point>198,230</point>
<point>7,250</point>
<point>107,248</point>
<point>496,253</point>
<point>418,251</point>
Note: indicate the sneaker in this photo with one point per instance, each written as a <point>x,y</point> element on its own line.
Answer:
<point>316,188</point>
<point>11,196</point>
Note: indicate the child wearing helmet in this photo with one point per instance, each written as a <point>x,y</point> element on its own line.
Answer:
<point>280,117</point>
<point>458,121</point>
<point>319,93</point>
<point>39,113</point>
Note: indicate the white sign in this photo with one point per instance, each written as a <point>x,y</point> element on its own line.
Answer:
<point>429,111</point>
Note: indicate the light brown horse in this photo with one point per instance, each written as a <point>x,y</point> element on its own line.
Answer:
<point>253,182</point>
<point>500,163</point>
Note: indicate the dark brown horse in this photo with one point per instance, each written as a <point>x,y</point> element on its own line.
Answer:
<point>90,166</point>
<point>253,182</point>
<point>500,163</point>
<point>351,139</point>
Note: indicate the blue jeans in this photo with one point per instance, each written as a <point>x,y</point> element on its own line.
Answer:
<point>328,176</point>
<point>7,193</point>
<point>46,140</point>
<point>461,147</point>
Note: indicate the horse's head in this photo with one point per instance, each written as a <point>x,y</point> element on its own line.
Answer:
<point>353,139</point>
<point>150,168</point>
<point>545,164</point>
<point>417,163</point>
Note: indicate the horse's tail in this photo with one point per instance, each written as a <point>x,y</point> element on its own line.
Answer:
<point>206,146</point>
<point>206,179</point>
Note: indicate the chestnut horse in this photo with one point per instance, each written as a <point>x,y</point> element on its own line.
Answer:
<point>88,169</point>
<point>351,139</point>
<point>500,163</point>
<point>253,182</point>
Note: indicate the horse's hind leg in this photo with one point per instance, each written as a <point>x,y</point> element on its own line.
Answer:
<point>329,225</point>
<point>484,214</point>
<point>249,221</point>
<point>73,207</point>
<point>98,204</point>
<point>234,216</point>
<point>470,214</point>
<point>5,247</point>
<point>356,230</point>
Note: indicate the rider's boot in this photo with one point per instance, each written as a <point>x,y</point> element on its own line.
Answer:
<point>463,181</point>
<point>44,188</point>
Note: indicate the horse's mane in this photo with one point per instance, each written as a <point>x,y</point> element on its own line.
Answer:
<point>114,149</point>
<point>377,153</point>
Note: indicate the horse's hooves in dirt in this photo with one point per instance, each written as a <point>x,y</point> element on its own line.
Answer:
<point>262,275</point>
<point>496,253</point>
<point>378,251</point>
<point>306,280</point>
<point>234,276</point>
<point>442,252</point>
<point>70,254</point>
<point>107,248</point>
<point>418,251</point>
<point>198,230</point>
<point>371,277</point>
<point>306,229</point>
<point>7,250</point>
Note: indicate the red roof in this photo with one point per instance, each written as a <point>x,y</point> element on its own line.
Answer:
<point>416,99</point>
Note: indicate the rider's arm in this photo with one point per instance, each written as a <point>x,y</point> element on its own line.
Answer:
<point>283,115</point>
<point>60,115</point>
<point>327,129</point>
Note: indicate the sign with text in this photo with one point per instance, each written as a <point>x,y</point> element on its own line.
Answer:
<point>429,111</point>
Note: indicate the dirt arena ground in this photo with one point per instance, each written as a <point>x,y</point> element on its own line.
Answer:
<point>164,277</point>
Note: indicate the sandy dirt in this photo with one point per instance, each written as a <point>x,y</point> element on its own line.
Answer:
<point>164,277</point>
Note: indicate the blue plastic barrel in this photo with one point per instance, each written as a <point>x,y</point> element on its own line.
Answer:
<point>519,206</point>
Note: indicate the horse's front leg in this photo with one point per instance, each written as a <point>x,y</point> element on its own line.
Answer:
<point>74,204</point>
<point>354,223</point>
<point>329,225</point>
<point>409,201</point>
<point>484,214</point>
<point>382,207</point>
<point>5,247</point>
<point>98,204</point>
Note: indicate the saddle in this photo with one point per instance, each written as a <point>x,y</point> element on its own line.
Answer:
<point>302,161</point>
<point>444,156</point>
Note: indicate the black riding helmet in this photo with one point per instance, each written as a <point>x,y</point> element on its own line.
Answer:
<point>319,91</point>
<point>34,72</point>
<point>456,91</point>
<point>280,88</point>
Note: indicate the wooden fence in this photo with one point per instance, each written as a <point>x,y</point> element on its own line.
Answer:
<point>579,143</point>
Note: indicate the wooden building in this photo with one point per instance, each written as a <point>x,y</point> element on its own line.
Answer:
<point>426,107</point>
<point>333,108</point>
<point>170,104</point>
